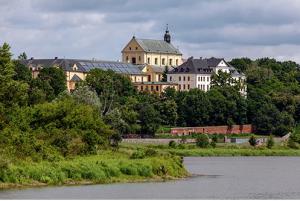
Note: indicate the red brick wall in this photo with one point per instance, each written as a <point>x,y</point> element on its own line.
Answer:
<point>234,129</point>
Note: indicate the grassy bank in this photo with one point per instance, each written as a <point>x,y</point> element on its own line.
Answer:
<point>220,150</point>
<point>107,167</point>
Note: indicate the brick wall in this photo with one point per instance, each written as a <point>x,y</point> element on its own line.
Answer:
<point>234,129</point>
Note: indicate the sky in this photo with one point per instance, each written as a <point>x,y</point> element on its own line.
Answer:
<point>99,29</point>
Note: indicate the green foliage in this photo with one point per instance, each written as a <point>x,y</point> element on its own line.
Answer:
<point>164,75</point>
<point>213,144</point>
<point>202,141</point>
<point>252,141</point>
<point>149,119</point>
<point>112,88</point>
<point>172,144</point>
<point>139,154</point>
<point>270,142</point>
<point>52,81</point>
<point>108,167</point>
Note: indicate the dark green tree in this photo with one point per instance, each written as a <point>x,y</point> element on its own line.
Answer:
<point>55,77</point>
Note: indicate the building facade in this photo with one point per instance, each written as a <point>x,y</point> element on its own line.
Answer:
<point>154,52</point>
<point>197,73</point>
<point>76,70</point>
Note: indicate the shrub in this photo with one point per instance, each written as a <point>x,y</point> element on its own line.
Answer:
<point>151,152</point>
<point>172,144</point>
<point>137,155</point>
<point>145,170</point>
<point>214,138</point>
<point>129,169</point>
<point>252,141</point>
<point>183,139</point>
<point>213,144</point>
<point>292,144</point>
<point>202,141</point>
<point>181,146</point>
<point>270,142</point>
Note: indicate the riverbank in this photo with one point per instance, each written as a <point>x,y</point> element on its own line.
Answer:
<point>220,150</point>
<point>106,167</point>
<point>130,163</point>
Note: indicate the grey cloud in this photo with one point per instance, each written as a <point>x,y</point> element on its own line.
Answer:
<point>100,28</point>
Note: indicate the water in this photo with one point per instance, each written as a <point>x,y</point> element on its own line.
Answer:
<point>223,178</point>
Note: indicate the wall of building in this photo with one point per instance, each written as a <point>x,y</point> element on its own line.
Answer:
<point>163,59</point>
<point>154,87</point>
<point>133,50</point>
<point>235,129</point>
<point>185,81</point>
<point>203,82</point>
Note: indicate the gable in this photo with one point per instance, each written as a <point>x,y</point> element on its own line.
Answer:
<point>222,63</point>
<point>133,45</point>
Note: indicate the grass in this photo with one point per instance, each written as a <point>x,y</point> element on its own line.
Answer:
<point>131,163</point>
<point>107,167</point>
<point>221,150</point>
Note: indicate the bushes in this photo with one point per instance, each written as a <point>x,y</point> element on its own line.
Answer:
<point>252,141</point>
<point>139,154</point>
<point>107,167</point>
<point>172,144</point>
<point>202,141</point>
<point>270,142</point>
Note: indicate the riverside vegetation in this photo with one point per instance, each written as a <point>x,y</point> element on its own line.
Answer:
<point>51,136</point>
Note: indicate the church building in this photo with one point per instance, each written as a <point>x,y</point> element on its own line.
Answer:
<point>153,52</point>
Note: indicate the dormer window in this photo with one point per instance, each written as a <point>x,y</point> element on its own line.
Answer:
<point>136,48</point>
<point>129,48</point>
<point>75,68</point>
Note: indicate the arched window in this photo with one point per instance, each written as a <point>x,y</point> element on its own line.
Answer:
<point>179,78</point>
<point>155,61</point>
<point>148,60</point>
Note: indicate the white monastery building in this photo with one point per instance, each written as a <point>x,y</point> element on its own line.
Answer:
<point>196,73</point>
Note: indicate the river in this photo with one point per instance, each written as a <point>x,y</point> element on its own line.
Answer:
<point>220,178</point>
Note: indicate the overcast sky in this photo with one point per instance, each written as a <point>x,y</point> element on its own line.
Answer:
<point>99,29</point>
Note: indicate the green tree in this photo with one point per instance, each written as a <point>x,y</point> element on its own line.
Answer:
<point>12,92</point>
<point>168,112</point>
<point>270,142</point>
<point>194,108</point>
<point>252,141</point>
<point>221,79</point>
<point>164,75</point>
<point>55,77</point>
<point>22,72</point>
<point>149,119</point>
<point>202,141</point>
<point>22,56</point>
<point>112,88</point>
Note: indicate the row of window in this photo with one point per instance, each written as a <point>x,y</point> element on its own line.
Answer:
<point>184,86</point>
<point>163,61</point>
<point>151,88</point>
<point>203,87</point>
<point>136,48</point>
<point>202,79</point>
